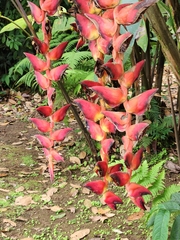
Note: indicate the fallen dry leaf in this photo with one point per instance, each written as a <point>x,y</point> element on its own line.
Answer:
<point>80,234</point>
<point>103,211</point>
<point>62,185</point>
<point>72,209</point>
<point>28,238</point>
<point>75,185</point>
<point>55,208</point>
<point>94,210</point>
<point>4,169</point>
<point>20,189</point>
<point>82,155</point>
<point>86,191</point>
<point>98,218</point>
<point>74,192</point>
<point>13,224</point>
<point>23,201</point>
<point>4,124</point>
<point>4,190</point>
<point>87,203</point>
<point>135,216</point>
<point>75,160</point>
<point>3,174</point>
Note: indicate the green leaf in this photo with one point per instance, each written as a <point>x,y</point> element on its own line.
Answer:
<point>142,37</point>
<point>170,206</point>
<point>176,197</point>
<point>19,22</point>
<point>160,229</point>
<point>175,231</point>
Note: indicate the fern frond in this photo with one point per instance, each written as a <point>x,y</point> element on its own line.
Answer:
<point>165,196</point>
<point>23,65</point>
<point>28,80</point>
<point>140,173</point>
<point>152,174</point>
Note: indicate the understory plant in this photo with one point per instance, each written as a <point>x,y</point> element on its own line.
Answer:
<point>109,104</point>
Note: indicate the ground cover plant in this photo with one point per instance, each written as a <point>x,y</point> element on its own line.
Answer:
<point>109,107</point>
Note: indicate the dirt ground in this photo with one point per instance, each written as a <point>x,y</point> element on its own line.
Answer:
<point>33,207</point>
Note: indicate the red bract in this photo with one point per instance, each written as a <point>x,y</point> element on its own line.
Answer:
<point>60,114</point>
<point>87,6</point>
<point>120,119</point>
<point>138,105</point>
<point>120,178</point>
<point>36,12</point>
<point>95,130</point>
<point>107,126</point>
<point>57,52</point>
<point>42,46</point>
<point>112,96</point>
<point>105,4</point>
<point>45,111</point>
<point>38,64</point>
<point>41,124</point>
<point>59,135</point>
<point>106,27</point>
<point>43,82</point>
<point>44,141</point>
<point>97,187</point>
<point>132,162</point>
<point>111,199</point>
<point>128,78</point>
<point>101,168</point>
<point>90,110</point>
<point>49,6</point>
<point>134,131</point>
<point>57,73</point>
<point>86,27</point>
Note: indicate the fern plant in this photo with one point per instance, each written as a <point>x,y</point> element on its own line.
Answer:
<point>153,178</point>
<point>164,216</point>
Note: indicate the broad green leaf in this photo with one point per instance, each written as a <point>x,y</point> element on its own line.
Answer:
<point>160,229</point>
<point>62,24</point>
<point>19,22</point>
<point>142,37</point>
<point>151,220</point>
<point>170,206</point>
<point>176,197</point>
<point>175,231</point>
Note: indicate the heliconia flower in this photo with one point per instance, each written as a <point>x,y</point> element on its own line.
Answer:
<point>120,119</point>
<point>121,43</point>
<point>87,6</point>
<point>129,77</point>
<point>101,168</point>
<point>127,143</point>
<point>43,82</point>
<point>107,126</point>
<point>45,111</point>
<point>57,72</point>
<point>104,45</point>
<point>138,104</point>
<point>132,162</point>
<point>37,63</point>
<point>49,6</point>
<point>36,12</point>
<point>51,168</point>
<point>106,144</point>
<point>90,83</point>
<point>120,178</point>
<point>111,199</point>
<point>57,52</point>
<point>59,135</point>
<point>86,27</point>
<point>112,96</point>
<point>46,152</point>
<point>95,51</point>
<point>105,4</point>
<point>114,70</point>
<point>60,114</point>
<point>105,26</point>
<point>135,192</point>
<point>134,131</point>
<point>44,141</point>
<point>41,124</point>
<point>95,130</point>
<point>97,187</point>
<point>109,13</point>
<point>127,14</point>
<point>56,156</point>
<point>50,92</point>
<point>90,110</point>
<point>42,46</point>
<point>80,43</point>
<point>116,168</point>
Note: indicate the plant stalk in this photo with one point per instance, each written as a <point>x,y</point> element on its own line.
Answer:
<point>174,121</point>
